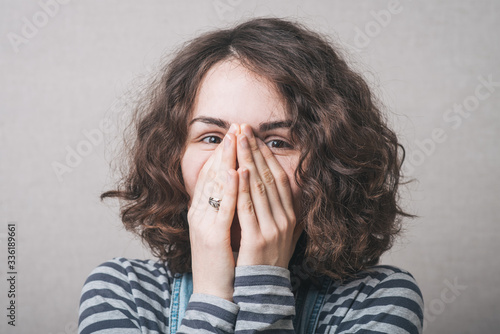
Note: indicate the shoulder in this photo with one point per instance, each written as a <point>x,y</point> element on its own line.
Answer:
<point>384,298</point>
<point>383,279</point>
<point>128,289</point>
<point>121,273</point>
<point>128,267</point>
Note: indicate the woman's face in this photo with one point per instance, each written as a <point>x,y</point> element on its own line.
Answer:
<point>229,93</point>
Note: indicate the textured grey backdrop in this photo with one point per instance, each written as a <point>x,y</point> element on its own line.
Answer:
<point>67,68</point>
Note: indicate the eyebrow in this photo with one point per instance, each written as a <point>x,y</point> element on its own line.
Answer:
<point>263,127</point>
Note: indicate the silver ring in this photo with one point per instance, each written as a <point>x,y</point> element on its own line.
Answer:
<point>214,202</point>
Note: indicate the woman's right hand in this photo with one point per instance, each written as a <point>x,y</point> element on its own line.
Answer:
<point>209,230</point>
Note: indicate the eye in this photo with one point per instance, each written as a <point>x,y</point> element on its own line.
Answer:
<point>211,140</point>
<point>280,144</point>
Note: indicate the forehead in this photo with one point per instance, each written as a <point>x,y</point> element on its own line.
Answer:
<point>233,93</point>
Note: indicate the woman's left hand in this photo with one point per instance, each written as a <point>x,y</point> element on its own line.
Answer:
<point>264,205</point>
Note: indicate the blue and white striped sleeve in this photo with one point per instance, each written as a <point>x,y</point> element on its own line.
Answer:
<point>264,296</point>
<point>386,302</point>
<point>122,296</point>
<point>395,305</point>
<point>208,314</point>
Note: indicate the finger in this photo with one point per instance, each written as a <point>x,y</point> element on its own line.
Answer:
<point>205,186</point>
<point>220,161</point>
<point>217,174</point>
<point>246,210</point>
<point>216,187</point>
<point>223,159</point>
<point>257,188</point>
<point>265,173</point>
<point>228,204</point>
<point>281,180</point>
<point>228,160</point>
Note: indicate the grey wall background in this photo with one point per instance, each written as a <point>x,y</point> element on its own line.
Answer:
<point>67,68</point>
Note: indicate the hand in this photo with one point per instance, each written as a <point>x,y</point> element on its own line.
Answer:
<point>209,229</point>
<point>264,205</point>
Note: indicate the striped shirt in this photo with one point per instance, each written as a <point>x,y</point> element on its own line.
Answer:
<point>133,296</point>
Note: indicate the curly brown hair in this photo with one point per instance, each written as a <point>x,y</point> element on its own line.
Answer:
<point>349,168</point>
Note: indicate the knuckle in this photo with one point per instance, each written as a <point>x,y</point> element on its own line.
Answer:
<point>248,158</point>
<point>260,243</point>
<point>287,224</point>
<point>267,176</point>
<point>247,207</point>
<point>260,187</point>
<point>211,174</point>
<point>282,178</point>
<point>273,234</point>
<point>253,146</point>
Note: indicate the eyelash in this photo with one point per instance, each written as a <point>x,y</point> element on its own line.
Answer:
<point>203,139</point>
<point>281,142</point>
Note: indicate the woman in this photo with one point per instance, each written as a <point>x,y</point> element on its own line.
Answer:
<point>265,179</point>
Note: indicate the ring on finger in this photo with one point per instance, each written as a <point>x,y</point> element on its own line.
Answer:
<point>214,202</point>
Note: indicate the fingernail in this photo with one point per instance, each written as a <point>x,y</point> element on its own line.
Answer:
<point>248,131</point>
<point>244,141</point>
<point>227,141</point>
<point>233,128</point>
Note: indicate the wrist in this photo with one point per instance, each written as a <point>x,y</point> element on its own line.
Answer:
<point>214,281</point>
<point>223,293</point>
